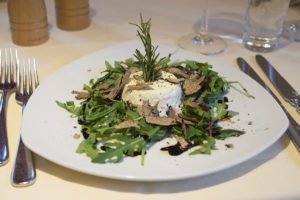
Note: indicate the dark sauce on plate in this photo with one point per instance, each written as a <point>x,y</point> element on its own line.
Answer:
<point>84,133</point>
<point>176,149</point>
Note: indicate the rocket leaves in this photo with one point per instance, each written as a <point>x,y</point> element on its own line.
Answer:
<point>106,144</point>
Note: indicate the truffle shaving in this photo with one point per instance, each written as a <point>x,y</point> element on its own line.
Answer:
<point>81,94</point>
<point>127,124</point>
<point>177,71</point>
<point>139,86</point>
<point>192,84</point>
<point>163,121</point>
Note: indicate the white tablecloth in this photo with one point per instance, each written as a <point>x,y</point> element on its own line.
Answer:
<point>273,174</point>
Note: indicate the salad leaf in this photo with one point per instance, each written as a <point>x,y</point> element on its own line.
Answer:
<point>70,107</point>
<point>225,133</point>
<point>117,150</point>
<point>88,146</point>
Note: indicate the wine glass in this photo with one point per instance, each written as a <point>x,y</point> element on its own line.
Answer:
<point>203,42</point>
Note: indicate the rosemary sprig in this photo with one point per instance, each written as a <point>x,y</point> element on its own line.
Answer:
<point>148,61</point>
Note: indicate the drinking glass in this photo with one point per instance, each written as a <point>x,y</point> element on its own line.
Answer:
<point>264,24</point>
<point>203,42</point>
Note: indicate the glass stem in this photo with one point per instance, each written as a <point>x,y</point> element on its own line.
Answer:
<point>204,20</point>
<point>203,37</point>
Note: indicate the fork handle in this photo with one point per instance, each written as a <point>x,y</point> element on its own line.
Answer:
<point>23,173</point>
<point>4,153</point>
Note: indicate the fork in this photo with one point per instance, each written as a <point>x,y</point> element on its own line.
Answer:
<point>7,85</point>
<point>23,173</point>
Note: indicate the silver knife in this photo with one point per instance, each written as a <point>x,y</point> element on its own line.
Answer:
<point>284,88</point>
<point>294,127</point>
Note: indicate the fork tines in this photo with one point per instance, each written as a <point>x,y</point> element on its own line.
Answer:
<point>8,59</point>
<point>27,78</point>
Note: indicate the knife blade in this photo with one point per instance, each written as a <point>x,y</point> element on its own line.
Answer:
<point>283,87</point>
<point>294,128</point>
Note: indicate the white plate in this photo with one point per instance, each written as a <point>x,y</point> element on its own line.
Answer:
<point>48,129</point>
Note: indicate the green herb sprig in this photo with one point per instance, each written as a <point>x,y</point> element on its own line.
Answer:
<point>148,61</point>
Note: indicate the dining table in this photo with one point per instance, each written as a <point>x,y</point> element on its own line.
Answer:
<point>272,174</point>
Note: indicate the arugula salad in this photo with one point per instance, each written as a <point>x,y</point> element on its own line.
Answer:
<point>145,99</point>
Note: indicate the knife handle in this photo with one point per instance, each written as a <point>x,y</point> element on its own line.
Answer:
<point>295,101</point>
<point>294,131</point>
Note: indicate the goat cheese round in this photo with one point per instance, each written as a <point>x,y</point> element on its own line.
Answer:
<point>161,92</point>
